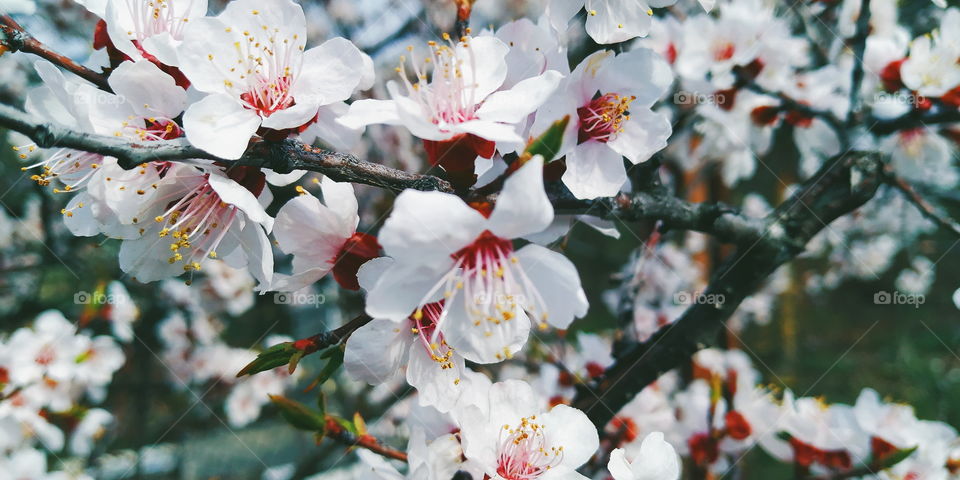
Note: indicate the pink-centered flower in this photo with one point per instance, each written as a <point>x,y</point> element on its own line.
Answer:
<point>322,237</point>
<point>251,63</point>
<point>445,249</point>
<point>654,460</point>
<point>608,99</point>
<point>455,101</point>
<point>609,21</point>
<point>511,438</point>
<point>151,29</point>
<point>205,214</point>
<point>383,349</point>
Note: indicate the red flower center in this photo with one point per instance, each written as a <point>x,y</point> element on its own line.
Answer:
<point>602,119</point>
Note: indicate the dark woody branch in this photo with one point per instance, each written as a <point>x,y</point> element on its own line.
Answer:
<point>841,186</point>
<point>15,39</point>
<point>288,155</point>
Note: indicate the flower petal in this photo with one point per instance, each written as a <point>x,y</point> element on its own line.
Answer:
<point>486,342</point>
<point>618,466</point>
<point>331,72</point>
<point>594,170</point>
<point>221,126</point>
<point>429,225</point>
<point>644,134</point>
<point>376,351</point>
<point>522,207</point>
<point>149,91</point>
<point>557,281</point>
<point>657,460</point>
<point>512,106</point>
<point>436,386</point>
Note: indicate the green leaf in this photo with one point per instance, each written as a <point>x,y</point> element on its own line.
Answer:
<point>335,356</point>
<point>548,143</point>
<point>895,458</point>
<point>299,415</point>
<point>294,361</point>
<point>273,357</point>
<point>346,424</point>
<point>784,436</point>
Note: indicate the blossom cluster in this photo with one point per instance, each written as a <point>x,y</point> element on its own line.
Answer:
<point>458,284</point>
<point>52,372</point>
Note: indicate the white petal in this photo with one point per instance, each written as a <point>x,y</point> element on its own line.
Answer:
<point>558,282</point>
<point>340,199</point>
<point>594,170</point>
<point>427,225</point>
<point>486,342</point>
<point>330,130</point>
<point>484,63</point>
<point>436,387</point>
<point>237,195</point>
<point>220,125</point>
<point>331,72</point>
<point>81,221</point>
<point>163,47</point>
<point>512,106</point>
<point>617,21</point>
<point>522,207</point>
<point>493,131</point>
<point>511,400</point>
<point>376,351</point>
<point>570,428</point>
<point>401,288</point>
<point>310,231</point>
<point>257,252</point>
<point>291,283</point>
<point>640,72</point>
<point>657,460</point>
<point>643,135</point>
<point>561,11</point>
<point>283,179</point>
<point>371,271</point>
<point>618,465</point>
<point>562,472</point>
<point>291,117</point>
<point>207,54</point>
<point>368,112</point>
<point>149,91</point>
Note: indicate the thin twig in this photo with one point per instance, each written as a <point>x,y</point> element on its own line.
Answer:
<point>656,204</point>
<point>336,432</point>
<point>927,209</point>
<point>14,38</point>
<point>859,48</point>
<point>332,337</point>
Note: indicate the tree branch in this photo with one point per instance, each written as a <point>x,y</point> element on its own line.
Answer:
<point>340,434</point>
<point>282,157</point>
<point>841,185</point>
<point>915,119</point>
<point>14,38</point>
<point>331,337</point>
<point>657,203</point>
<point>928,210</point>
<point>859,48</point>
